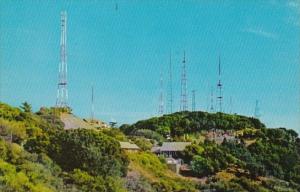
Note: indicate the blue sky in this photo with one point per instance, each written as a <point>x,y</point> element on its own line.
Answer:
<point>121,52</point>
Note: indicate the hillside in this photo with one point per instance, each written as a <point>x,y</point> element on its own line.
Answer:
<point>38,154</point>
<point>228,152</point>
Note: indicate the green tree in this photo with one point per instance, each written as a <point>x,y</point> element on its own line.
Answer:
<point>26,107</point>
<point>88,150</point>
<point>201,166</point>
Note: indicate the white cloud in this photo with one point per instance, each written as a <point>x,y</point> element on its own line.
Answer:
<point>294,17</point>
<point>294,4</point>
<point>261,33</point>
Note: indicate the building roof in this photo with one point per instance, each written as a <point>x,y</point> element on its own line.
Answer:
<point>174,146</point>
<point>155,149</point>
<point>127,145</point>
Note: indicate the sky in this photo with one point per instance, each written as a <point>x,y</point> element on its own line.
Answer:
<point>121,52</point>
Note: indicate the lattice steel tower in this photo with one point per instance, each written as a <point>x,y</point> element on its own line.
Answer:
<point>161,96</point>
<point>92,105</point>
<point>257,110</point>
<point>170,98</point>
<point>212,109</point>
<point>184,98</point>
<point>62,91</point>
<point>219,86</point>
<point>194,100</point>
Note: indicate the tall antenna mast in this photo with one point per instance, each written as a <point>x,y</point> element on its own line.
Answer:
<point>212,109</point>
<point>170,86</point>
<point>193,100</point>
<point>257,110</point>
<point>230,105</point>
<point>92,105</point>
<point>62,91</point>
<point>161,96</point>
<point>183,102</point>
<point>219,86</point>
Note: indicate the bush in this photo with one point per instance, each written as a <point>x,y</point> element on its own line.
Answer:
<point>88,150</point>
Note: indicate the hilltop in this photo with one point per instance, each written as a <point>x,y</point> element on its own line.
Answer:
<point>180,124</point>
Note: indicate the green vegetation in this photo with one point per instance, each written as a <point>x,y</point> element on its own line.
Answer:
<point>180,123</point>
<point>273,156</point>
<point>53,159</point>
<point>154,173</point>
<point>37,154</point>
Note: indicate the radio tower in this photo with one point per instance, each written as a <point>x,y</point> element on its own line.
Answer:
<point>161,96</point>
<point>183,101</point>
<point>212,109</point>
<point>230,105</point>
<point>219,86</point>
<point>170,86</point>
<point>193,100</point>
<point>256,111</point>
<point>92,105</point>
<point>62,91</point>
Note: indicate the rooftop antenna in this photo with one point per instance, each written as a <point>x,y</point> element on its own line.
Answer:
<point>212,109</point>
<point>219,86</point>
<point>170,86</point>
<point>62,91</point>
<point>161,96</point>
<point>194,100</point>
<point>92,105</point>
<point>183,101</point>
<point>257,110</point>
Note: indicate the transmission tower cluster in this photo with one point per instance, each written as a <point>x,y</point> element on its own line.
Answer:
<point>62,85</point>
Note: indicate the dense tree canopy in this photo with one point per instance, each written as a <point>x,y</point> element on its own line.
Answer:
<point>181,123</point>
